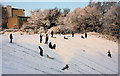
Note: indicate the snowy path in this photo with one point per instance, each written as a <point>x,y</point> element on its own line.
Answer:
<point>84,56</point>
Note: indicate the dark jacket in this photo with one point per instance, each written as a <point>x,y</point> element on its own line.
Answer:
<point>40,37</point>
<point>41,51</point>
<point>11,37</point>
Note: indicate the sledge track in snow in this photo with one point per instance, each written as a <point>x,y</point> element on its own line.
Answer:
<point>38,56</point>
<point>93,62</point>
<point>47,61</point>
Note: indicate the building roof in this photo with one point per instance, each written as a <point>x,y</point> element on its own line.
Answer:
<point>23,16</point>
<point>17,9</point>
<point>14,8</point>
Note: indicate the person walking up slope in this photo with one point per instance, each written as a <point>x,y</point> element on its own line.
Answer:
<point>51,33</point>
<point>41,51</point>
<point>46,40</point>
<point>40,38</point>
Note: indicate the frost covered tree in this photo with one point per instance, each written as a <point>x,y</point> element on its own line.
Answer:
<point>101,17</point>
<point>111,21</point>
<point>46,18</point>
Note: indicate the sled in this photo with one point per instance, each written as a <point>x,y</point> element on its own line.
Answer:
<point>50,57</point>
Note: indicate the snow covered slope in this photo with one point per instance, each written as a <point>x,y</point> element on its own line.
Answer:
<point>0,55</point>
<point>84,56</point>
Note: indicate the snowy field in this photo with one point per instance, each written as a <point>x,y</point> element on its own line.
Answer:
<point>0,55</point>
<point>84,56</point>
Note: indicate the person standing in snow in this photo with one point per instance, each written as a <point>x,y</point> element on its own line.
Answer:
<point>46,40</point>
<point>109,54</point>
<point>11,37</point>
<point>40,38</point>
<point>50,45</point>
<point>54,46</point>
<point>51,33</point>
<point>66,67</point>
<point>41,51</point>
<point>85,35</point>
<point>72,34</point>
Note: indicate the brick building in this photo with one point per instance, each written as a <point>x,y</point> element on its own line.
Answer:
<point>15,17</point>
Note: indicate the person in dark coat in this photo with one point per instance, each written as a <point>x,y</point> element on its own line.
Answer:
<point>85,35</point>
<point>41,51</point>
<point>50,45</point>
<point>46,40</point>
<point>54,46</point>
<point>66,67</point>
<point>40,38</point>
<point>109,54</point>
<point>11,37</point>
<point>51,33</point>
<point>72,34</point>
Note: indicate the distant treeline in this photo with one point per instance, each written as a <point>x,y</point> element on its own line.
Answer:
<point>101,17</point>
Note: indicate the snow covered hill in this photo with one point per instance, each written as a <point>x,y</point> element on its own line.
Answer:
<point>0,55</point>
<point>84,56</point>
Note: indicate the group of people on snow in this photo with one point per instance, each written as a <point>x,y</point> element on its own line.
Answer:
<point>46,42</point>
<point>54,45</point>
<point>46,39</point>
